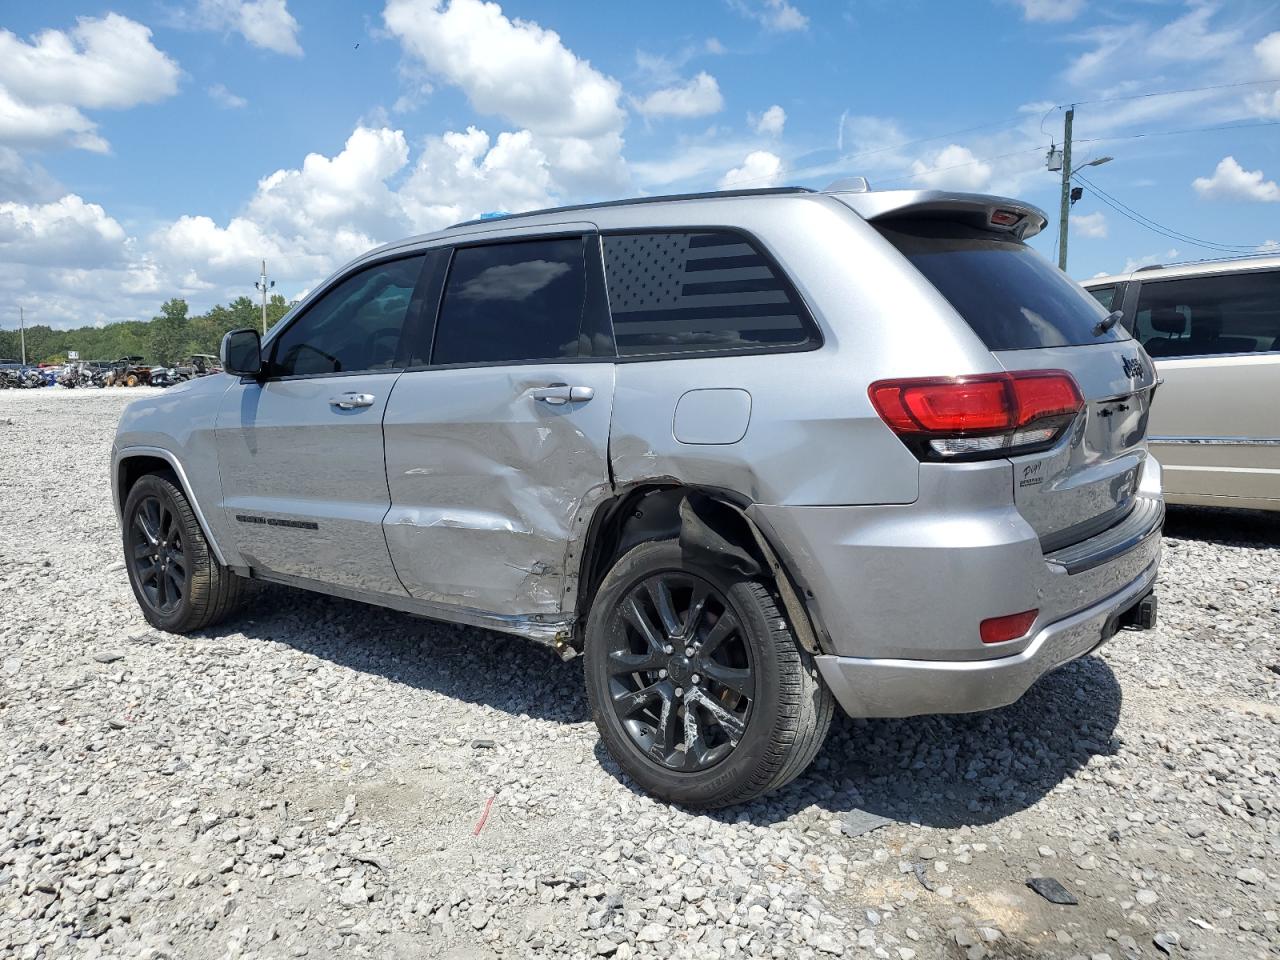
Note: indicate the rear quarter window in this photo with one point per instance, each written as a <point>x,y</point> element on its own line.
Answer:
<point>1010,296</point>
<point>678,292</point>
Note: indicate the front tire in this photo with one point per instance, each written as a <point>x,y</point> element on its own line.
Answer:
<point>176,579</point>
<point>696,682</point>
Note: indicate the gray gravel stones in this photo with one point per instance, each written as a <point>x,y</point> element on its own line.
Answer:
<point>308,779</point>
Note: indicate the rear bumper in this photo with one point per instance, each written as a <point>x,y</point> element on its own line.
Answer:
<point>898,591</point>
<point>905,688</point>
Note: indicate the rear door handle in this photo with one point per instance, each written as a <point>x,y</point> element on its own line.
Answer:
<point>350,401</point>
<point>558,394</point>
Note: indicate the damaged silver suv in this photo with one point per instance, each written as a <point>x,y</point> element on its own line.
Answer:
<point>751,454</point>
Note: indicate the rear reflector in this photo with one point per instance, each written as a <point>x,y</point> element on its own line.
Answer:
<point>1000,629</point>
<point>989,415</point>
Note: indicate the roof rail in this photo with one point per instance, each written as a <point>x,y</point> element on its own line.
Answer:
<point>710,195</point>
<point>1150,266</point>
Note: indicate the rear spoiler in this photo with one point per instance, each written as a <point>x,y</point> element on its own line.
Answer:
<point>975,209</point>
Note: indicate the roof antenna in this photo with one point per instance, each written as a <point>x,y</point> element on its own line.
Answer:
<point>849,185</point>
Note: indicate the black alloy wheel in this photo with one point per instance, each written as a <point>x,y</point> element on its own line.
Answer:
<point>158,555</point>
<point>680,672</point>
<point>697,684</point>
<point>176,577</point>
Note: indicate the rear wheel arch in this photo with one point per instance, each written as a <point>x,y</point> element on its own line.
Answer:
<point>709,522</point>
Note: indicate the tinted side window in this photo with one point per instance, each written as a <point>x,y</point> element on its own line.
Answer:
<point>1236,313</point>
<point>512,301</point>
<point>354,326</point>
<point>684,292</point>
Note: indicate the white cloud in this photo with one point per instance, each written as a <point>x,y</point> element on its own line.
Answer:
<point>954,167</point>
<point>26,182</point>
<point>264,23</point>
<point>697,97</point>
<point>65,233</point>
<point>1151,259</point>
<point>1267,51</point>
<point>509,68</point>
<point>100,63</point>
<point>520,71</point>
<point>777,15</point>
<point>343,202</point>
<point>196,242</point>
<point>1138,48</point>
<point>48,125</point>
<point>462,175</point>
<point>225,98</point>
<point>1264,104</point>
<point>769,123</point>
<point>714,46</point>
<point>107,63</point>
<point>760,169</point>
<point>1092,225</point>
<point>1050,11</point>
<point>1269,246</point>
<point>305,221</point>
<point>1230,181</point>
<point>1191,37</point>
<point>691,161</point>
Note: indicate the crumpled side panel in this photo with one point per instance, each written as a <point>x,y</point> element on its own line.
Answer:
<point>487,482</point>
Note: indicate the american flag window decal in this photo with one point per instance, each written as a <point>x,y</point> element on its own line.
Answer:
<point>707,290</point>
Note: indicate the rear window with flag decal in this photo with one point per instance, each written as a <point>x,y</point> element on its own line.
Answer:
<point>700,291</point>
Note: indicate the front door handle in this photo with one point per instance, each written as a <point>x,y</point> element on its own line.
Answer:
<point>558,394</point>
<point>350,401</point>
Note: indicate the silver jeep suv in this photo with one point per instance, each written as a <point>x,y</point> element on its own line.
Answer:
<point>751,454</point>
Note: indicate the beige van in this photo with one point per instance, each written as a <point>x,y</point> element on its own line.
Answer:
<point>1213,330</point>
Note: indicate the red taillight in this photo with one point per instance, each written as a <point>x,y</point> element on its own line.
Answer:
<point>993,414</point>
<point>1000,629</point>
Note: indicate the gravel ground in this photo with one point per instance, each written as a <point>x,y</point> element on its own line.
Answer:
<point>322,778</point>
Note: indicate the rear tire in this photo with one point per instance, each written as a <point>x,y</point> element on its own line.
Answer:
<point>644,685</point>
<point>176,579</point>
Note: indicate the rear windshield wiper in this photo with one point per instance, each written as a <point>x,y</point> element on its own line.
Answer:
<point>1107,322</point>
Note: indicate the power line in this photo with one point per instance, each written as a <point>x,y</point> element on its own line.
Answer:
<point>1170,93</point>
<point>1170,231</point>
<point>1169,133</point>
<point>1164,231</point>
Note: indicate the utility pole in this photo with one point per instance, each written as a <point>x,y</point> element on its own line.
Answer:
<point>264,286</point>
<point>1065,212</point>
<point>22,325</point>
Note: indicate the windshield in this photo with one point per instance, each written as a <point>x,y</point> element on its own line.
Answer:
<point>1012,297</point>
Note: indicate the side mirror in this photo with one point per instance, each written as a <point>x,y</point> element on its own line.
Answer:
<point>242,353</point>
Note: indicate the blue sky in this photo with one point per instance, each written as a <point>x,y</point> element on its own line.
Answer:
<point>152,149</point>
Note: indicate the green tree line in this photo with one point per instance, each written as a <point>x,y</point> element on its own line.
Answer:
<point>161,341</point>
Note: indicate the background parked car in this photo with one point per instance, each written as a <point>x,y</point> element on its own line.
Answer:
<point>1213,330</point>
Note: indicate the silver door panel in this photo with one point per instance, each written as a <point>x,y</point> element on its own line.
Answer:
<point>303,479</point>
<point>488,475</point>
<point>1215,424</point>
